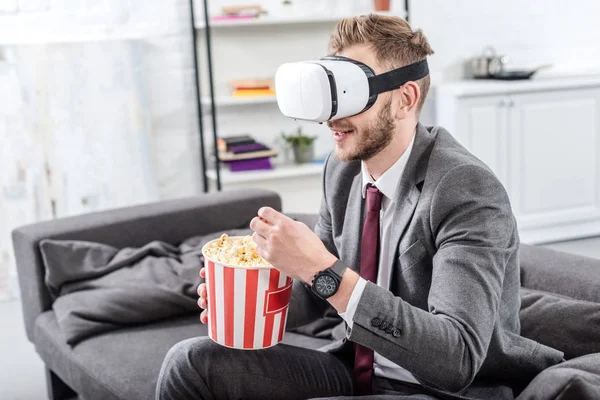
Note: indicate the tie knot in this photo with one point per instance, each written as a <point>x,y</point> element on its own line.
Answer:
<point>374,197</point>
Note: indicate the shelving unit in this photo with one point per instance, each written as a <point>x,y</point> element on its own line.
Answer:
<point>253,48</point>
<point>279,172</point>
<point>278,20</point>
<point>238,101</point>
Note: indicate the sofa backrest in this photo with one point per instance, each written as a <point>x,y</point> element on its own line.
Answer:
<point>170,221</point>
<point>563,273</point>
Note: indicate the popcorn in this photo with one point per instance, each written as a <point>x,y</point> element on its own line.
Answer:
<point>235,251</point>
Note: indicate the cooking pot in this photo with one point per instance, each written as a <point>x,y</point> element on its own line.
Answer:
<point>488,64</point>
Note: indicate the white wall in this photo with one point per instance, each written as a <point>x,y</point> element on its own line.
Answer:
<point>533,32</point>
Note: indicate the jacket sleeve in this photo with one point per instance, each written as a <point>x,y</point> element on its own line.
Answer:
<point>475,235</point>
<point>305,306</point>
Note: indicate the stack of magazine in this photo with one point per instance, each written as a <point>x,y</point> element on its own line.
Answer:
<point>244,153</point>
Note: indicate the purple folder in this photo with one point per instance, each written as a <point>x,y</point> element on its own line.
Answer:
<point>249,165</point>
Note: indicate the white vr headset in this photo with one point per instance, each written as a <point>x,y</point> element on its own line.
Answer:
<point>336,87</point>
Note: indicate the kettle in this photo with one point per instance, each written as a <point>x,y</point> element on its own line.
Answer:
<point>488,64</point>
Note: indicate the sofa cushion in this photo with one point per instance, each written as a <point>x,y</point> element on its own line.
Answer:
<point>575,379</point>
<point>557,272</point>
<point>566,324</point>
<point>122,364</point>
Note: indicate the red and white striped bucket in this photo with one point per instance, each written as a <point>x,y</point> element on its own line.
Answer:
<point>247,306</point>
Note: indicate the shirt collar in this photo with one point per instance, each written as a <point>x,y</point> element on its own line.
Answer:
<point>388,182</point>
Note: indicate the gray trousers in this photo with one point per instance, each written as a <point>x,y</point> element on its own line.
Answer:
<point>201,369</point>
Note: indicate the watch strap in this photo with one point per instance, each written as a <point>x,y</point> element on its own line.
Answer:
<point>338,268</point>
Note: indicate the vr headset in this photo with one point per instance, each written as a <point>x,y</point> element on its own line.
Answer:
<point>336,87</point>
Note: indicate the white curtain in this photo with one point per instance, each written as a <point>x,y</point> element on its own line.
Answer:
<point>75,135</point>
<point>24,195</point>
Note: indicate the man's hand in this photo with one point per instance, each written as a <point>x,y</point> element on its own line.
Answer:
<point>202,301</point>
<point>289,246</point>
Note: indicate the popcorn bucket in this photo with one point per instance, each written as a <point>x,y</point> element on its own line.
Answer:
<point>247,306</point>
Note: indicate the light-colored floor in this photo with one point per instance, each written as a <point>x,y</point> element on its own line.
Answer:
<point>22,372</point>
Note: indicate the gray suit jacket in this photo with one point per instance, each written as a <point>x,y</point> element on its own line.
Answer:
<point>451,313</point>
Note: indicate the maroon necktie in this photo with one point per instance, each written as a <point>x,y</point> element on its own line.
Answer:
<point>363,362</point>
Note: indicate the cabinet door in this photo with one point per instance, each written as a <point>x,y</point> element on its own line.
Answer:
<point>482,129</point>
<point>554,143</point>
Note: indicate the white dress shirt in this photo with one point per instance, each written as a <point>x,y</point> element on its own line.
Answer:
<point>387,184</point>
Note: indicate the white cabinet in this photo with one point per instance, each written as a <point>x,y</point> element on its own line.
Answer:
<point>485,130</point>
<point>542,142</point>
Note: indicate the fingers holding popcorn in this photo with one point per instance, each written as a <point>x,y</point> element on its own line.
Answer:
<point>202,303</point>
<point>202,290</point>
<point>269,214</point>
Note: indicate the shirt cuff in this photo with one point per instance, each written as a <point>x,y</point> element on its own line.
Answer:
<point>348,315</point>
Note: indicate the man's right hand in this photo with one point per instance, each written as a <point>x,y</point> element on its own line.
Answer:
<point>202,302</point>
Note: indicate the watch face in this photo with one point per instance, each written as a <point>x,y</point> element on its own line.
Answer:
<point>325,285</point>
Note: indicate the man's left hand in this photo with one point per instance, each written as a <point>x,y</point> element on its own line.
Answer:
<point>289,246</point>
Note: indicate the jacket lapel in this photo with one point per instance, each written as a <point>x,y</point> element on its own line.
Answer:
<point>352,223</point>
<point>408,192</point>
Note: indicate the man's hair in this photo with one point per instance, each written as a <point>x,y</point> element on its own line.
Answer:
<point>393,40</point>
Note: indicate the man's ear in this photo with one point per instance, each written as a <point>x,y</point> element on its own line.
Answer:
<point>409,95</point>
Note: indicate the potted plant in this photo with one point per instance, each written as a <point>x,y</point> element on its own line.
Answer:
<point>302,145</point>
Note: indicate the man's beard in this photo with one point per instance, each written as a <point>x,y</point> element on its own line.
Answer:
<point>372,139</point>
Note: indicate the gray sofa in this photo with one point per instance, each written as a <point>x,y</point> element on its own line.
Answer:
<point>124,364</point>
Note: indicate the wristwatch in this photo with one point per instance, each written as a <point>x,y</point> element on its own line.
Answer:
<point>327,282</point>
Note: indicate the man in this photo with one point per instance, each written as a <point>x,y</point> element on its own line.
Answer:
<point>423,237</point>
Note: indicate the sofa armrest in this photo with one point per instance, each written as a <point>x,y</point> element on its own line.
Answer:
<point>170,221</point>
<point>562,273</point>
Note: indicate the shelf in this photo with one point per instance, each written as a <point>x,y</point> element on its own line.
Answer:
<point>279,172</point>
<point>278,20</point>
<point>235,101</point>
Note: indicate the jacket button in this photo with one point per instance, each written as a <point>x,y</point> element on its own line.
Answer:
<point>375,322</point>
<point>397,333</point>
<point>383,325</point>
<point>389,329</point>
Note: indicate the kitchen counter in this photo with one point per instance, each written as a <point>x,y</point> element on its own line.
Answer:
<point>479,87</point>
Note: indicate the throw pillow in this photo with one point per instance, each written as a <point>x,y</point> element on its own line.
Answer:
<point>99,288</point>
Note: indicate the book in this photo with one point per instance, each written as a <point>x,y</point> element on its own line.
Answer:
<point>244,9</point>
<point>225,143</point>
<point>252,83</point>
<point>248,148</point>
<point>229,156</point>
<point>253,88</point>
<point>250,165</point>
<point>233,17</point>
<point>253,92</point>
